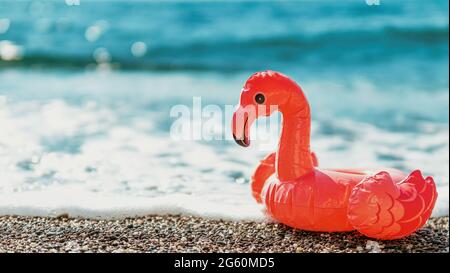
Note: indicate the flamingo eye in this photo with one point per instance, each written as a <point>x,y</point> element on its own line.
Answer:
<point>259,98</point>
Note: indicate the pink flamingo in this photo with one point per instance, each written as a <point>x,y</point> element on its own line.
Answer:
<point>384,204</point>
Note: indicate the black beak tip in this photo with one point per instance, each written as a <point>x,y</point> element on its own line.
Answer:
<point>241,142</point>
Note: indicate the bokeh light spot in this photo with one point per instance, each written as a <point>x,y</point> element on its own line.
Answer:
<point>4,25</point>
<point>101,55</point>
<point>95,31</point>
<point>139,49</point>
<point>10,51</point>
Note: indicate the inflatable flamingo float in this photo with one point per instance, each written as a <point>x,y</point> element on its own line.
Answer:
<point>383,204</point>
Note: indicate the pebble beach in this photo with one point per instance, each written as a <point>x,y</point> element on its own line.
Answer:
<point>193,234</point>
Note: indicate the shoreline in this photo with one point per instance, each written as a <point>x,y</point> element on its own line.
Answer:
<point>174,233</point>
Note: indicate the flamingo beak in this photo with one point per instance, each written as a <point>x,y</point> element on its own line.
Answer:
<point>242,121</point>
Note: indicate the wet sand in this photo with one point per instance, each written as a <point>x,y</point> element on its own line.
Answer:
<point>193,234</point>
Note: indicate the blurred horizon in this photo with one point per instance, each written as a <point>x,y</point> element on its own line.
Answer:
<point>193,36</point>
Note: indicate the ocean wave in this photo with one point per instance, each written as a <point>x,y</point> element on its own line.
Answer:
<point>191,36</point>
<point>84,105</point>
<point>346,48</point>
<point>127,168</point>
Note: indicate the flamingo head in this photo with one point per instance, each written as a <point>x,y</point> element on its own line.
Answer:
<point>263,93</point>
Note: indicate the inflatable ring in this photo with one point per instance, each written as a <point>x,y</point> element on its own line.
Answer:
<point>384,204</point>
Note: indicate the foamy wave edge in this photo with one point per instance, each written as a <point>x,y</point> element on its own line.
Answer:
<point>82,204</point>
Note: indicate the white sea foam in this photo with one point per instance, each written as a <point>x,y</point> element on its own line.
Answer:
<point>78,202</point>
<point>117,171</point>
<point>120,171</point>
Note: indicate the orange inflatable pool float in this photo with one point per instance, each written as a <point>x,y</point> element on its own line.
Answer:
<point>383,204</point>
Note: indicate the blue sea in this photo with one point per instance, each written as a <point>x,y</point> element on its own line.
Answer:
<point>86,90</point>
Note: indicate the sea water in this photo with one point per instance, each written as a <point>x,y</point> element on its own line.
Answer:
<point>86,93</point>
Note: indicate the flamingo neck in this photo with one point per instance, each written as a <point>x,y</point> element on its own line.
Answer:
<point>294,154</point>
